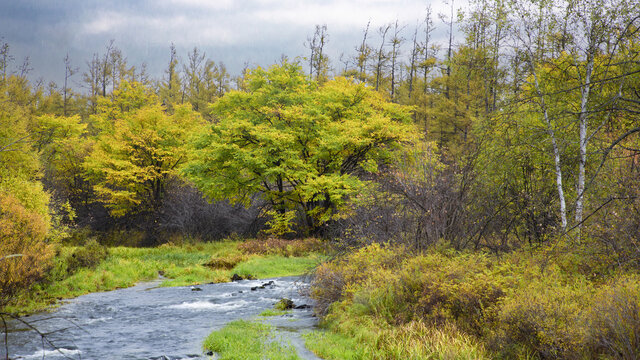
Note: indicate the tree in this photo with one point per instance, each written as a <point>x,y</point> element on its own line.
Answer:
<point>5,59</point>
<point>63,144</point>
<point>381,56</point>
<point>396,41</point>
<point>69,71</point>
<point>193,79</point>
<point>170,88</point>
<point>131,163</point>
<point>363,54</point>
<point>300,145</point>
<point>318,60</point>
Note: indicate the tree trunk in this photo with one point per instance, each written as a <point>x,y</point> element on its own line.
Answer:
<point>583,139</point>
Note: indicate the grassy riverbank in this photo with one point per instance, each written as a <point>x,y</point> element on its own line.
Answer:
<point>385,302</point>
<point>179,265</point>
<point>248,340</point>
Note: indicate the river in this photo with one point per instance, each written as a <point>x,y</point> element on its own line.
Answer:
<point>151,322</point>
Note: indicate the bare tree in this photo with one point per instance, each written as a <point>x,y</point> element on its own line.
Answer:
<point>414,58</point>
<point>396,43</point>
<point>105,68</point>
<point>318,61</point>
<point>449,22</point>
<point>382,56</point>
<point>5,58</point>
<point>426,65</point>
<point>92,82</point>
<point>69,71</point>
<point>363,51</point>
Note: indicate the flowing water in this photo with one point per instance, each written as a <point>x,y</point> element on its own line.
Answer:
<point>151,322</point>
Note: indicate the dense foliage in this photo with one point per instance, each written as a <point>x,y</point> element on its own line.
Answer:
<point>300,145</point>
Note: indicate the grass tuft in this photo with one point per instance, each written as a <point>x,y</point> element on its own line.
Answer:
<point>274,312</point>
<point>247,340</point>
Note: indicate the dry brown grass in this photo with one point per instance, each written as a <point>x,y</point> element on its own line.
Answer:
<point>276,246</point>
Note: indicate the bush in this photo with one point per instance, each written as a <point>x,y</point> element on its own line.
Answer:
<point>338,279</point>
<point>460,288</point>
<point>226,262</point>
<point>544,316</point>
<point>22,231</point>
<point>87,256</point>
<point>432,287</point>
<point>369,337</point>
<point>522,305</point>
<point>614,321</point>
<point>187,212</point>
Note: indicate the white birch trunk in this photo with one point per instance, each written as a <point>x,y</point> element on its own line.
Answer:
<point>556,151</point>
<point>583,140</point>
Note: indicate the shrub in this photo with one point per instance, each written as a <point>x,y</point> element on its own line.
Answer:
<point>522,305</point>
<point>187,212</point>
<point>614,321</point>
<point>22,231</point>
<point>372,338</point>
<point>463,289</point>
<point>338,279</point>
<point>544,316</point>
<point>87,256</point>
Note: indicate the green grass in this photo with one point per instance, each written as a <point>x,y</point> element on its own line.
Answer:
<point>247,340</point>
<point>332,346</point>
<point>181,265</point>
<point>274,266</point>
<point>274,312</point>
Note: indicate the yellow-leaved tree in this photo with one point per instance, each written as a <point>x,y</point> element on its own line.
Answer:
<point>138,150</point>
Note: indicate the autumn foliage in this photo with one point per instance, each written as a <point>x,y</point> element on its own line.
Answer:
<point>22,232</point>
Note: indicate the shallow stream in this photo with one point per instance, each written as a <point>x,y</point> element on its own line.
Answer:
<point>151,322</point>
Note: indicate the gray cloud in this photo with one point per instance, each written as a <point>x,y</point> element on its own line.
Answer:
<point>231,31</point>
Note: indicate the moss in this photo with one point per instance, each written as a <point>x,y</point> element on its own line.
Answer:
<point>274,312</point>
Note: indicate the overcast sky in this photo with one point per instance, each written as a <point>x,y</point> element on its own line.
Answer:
<point>231,31</point>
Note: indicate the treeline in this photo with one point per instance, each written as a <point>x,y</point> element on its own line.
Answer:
<point>533,114</point>
<point>102,161</point>
<point>520,133</point>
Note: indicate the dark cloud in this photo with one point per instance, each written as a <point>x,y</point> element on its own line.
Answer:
<point>231,31</point>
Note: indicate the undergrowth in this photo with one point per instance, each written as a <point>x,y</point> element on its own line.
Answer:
<point>394,304</point>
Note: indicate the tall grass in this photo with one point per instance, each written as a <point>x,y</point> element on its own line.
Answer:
<point>274,265</point>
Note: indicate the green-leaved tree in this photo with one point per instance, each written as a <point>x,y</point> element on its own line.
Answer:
<point>301,146</point>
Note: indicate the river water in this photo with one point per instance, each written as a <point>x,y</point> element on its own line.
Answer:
<point>151,322</point>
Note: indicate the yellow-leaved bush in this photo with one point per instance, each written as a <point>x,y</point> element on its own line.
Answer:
<point>22,232</point>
